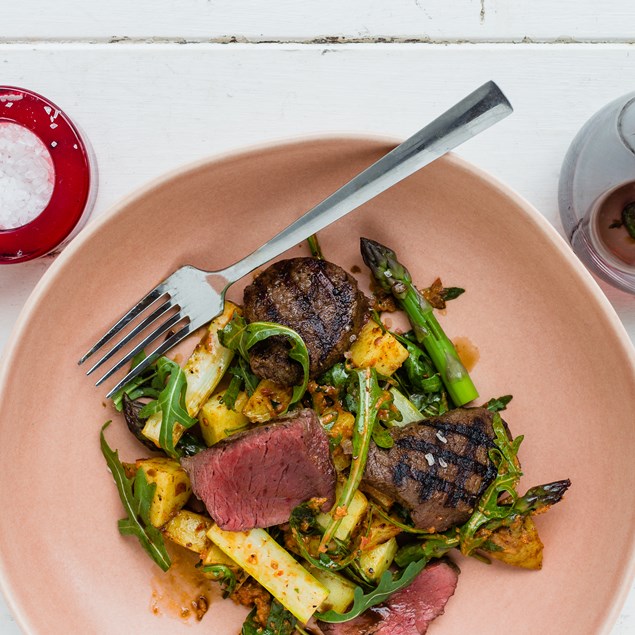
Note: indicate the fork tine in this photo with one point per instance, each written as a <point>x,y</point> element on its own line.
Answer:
<point>166,326</point>
<point>155,315</point>
<point>143,304</point>
<point>171,341</point>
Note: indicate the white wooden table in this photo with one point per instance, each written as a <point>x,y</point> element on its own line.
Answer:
<point>159,83</point>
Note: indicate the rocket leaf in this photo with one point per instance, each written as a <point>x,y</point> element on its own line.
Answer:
<point>170,403</point>
<point>136,496</point>
<point>388,584</point>
<point>240,337</point>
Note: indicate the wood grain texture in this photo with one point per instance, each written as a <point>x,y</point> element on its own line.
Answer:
<point>150,108</point>
<point>321,20</point>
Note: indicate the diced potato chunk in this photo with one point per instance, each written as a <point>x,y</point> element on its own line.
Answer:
<point>518,545</point>
<point>340,589</point>
<point>374,562</point>
<point>172,491</point>
<point>354,514</point>
<point>267,402</point>
<point>217,421</point>
<point>378,532</point>
<point>343,426</point>
<point>375,349</point>
<point>189,530</point>
<point>274,568</point>
<point>341,460</point>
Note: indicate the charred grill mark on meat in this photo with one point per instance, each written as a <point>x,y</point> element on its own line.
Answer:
<point>437,468</point>
<point>314,297</point>
<point>430,481</point>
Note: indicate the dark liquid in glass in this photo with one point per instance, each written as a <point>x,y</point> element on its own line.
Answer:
<point>608,218</point>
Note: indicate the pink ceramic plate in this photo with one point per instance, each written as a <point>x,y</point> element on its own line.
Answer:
<point>543,330</point>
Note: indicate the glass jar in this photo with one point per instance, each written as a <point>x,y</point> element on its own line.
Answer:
<point>597,183</point>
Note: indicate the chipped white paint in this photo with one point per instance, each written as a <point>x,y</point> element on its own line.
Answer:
<point>222,97</point>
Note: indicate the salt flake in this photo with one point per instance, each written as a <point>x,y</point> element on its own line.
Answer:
<point>26,175</point>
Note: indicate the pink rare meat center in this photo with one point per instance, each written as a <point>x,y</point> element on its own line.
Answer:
<point>256,478</point>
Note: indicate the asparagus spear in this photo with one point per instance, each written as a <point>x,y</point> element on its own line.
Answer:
<point>393,277</point>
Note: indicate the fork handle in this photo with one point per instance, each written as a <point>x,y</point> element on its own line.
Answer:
<point>478,111</point>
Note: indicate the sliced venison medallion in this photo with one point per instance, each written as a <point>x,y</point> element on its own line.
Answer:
<point>437,468</point>
<point>318,300</point>
<point>409,611</point>
<point>256,478</point>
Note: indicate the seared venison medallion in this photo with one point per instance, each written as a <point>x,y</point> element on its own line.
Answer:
<point>437,468</point>
<point>318,300</point>
<point>256,478</point>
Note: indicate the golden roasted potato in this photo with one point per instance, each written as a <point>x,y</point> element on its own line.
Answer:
<point>267,402</point>
<point>518,545</point>
<point>217,421</point>
<point>172,491</point>
<point>375,349</point>
<point>189,530</point>
<point>377,560</point>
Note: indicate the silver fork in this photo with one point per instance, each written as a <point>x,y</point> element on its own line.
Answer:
<point>191,297</point>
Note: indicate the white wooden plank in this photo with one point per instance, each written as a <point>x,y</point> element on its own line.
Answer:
<point>148,109</point>
<point>289,20</point>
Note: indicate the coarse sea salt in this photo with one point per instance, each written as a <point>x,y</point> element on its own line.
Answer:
<point>27,175</point>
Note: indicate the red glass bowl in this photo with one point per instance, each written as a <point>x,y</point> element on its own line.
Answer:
<point>75,182</point>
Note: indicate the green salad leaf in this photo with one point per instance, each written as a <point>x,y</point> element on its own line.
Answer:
<point>170,403</point>
<point>451,293</point>
<point>239,336</point>
<point>241,377</point>
<point>388,584</point>
<point>279,622</point>
<point>223,574</point>
<point>496,404</point>
<point>497,502</point>
<point>144,385</point>
<point>417,371</point>
<point>136,495</point>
